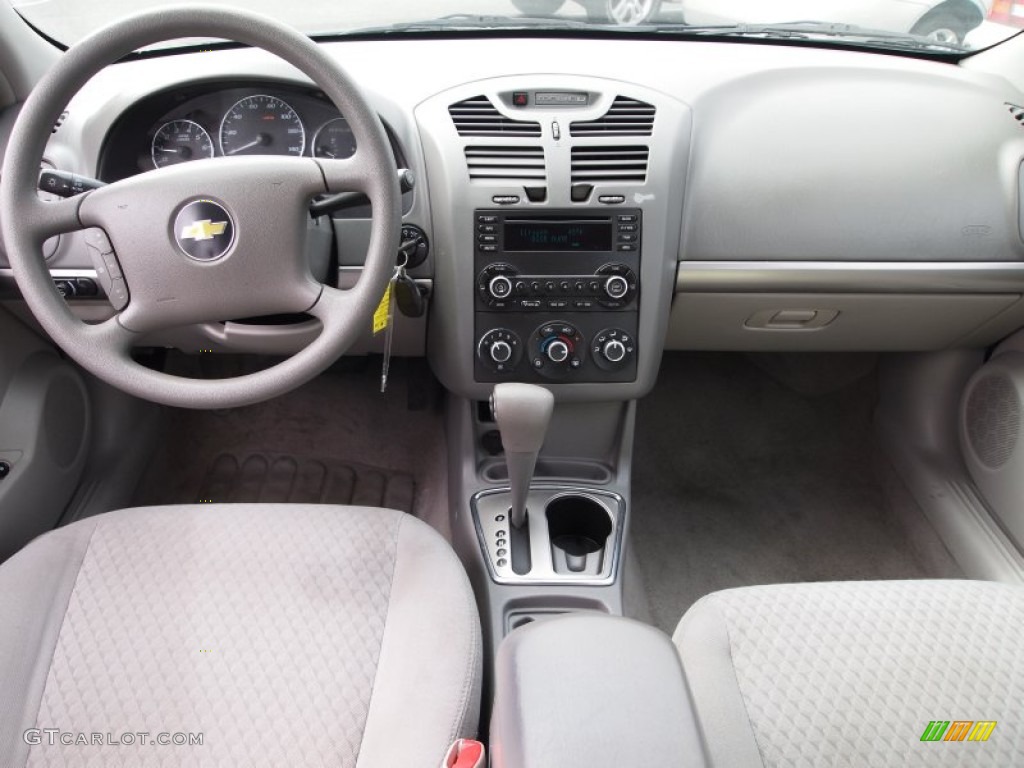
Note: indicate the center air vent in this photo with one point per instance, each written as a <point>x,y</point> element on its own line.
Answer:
<point>591,165</point>
<point>478,117</point>
<point>505,164</point>
<point>625,117</point>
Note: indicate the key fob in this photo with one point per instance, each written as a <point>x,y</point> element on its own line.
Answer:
<point>409,297</point>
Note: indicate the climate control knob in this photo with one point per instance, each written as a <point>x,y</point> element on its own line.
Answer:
<point>616,287</point>
<point>614,351</point>
<point>558,350</point>
<point>501,351</point>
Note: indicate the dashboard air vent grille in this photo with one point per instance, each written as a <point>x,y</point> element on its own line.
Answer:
<point>625,117</point>
<point>478,117</point>
<point>505,164</point>
<point>611,164</point>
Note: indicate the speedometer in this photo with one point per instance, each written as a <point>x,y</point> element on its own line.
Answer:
<point>262,125</point>
<point>179,141</point>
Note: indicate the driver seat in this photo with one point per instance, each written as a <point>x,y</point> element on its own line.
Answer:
<point>284,635</point>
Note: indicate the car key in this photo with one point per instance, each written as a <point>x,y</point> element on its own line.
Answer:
<point>409,296</point>
<point>389,330</point>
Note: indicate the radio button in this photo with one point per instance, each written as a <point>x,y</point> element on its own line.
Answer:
<point>490,228</point>
<point>611,199</point>
<point>627,227</point>
<point>494,238</point>
<point>626,237</point>
<point>627,246</point>
<point>487,218</point>
<point>615,286</point>
<point>488,248</point>
<point>505,199</point>
<point>627,218</point>
<point>500,287</point>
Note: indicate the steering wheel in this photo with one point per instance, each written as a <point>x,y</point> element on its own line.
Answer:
<point>204,241</point>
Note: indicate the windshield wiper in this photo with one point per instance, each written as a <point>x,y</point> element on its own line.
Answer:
<point>810,30</point>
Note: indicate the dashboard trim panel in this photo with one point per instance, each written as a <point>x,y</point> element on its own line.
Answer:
<point>848,277</point>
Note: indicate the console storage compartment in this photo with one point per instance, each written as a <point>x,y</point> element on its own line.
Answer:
<point>587,689</point>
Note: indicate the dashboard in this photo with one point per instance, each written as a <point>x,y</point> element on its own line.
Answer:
<point>602,201</point>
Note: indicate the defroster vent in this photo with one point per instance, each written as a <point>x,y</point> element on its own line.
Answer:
<point>625,117</point>
<point>478,117</point>
<point>591,165</point>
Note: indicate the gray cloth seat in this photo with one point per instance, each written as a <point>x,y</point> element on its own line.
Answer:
<point>853,673</point>
<point>286,635</point>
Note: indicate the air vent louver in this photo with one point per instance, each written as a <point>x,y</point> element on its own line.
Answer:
<point>506,164</point>
<point>478,117</point>
<point>611,164</point>
<point>625,117</point>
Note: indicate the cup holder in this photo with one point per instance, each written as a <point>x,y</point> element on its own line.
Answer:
<point>578,527</point>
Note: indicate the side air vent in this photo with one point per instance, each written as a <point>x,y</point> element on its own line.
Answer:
<point>611,164</point>
<point>60,122</point>
<point>478,117</point>
<point>625,117</point>
<point>506,164</point>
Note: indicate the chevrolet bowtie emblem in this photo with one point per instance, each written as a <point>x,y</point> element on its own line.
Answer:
<point>203,230</point>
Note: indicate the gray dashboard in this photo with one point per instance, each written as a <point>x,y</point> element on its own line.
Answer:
<point>794,198</point>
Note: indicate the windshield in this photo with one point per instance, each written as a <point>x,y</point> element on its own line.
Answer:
<point>940,26</point>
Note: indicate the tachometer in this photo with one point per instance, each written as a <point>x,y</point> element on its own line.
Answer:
<point>179,141</point>
<point>334,139</point>
<point>262,125</point>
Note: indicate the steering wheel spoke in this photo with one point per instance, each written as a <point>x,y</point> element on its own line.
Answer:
<point>352,174</point>
<point>57,217</point>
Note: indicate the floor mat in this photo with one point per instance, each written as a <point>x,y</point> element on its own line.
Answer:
<point>744,475</point>
<point>270,478</point>
<point>336,439</point>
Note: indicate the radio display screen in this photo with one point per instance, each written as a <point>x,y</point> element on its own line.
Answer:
<point>558,234</point>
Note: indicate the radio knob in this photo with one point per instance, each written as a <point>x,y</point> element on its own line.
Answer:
<point>616,286</point>
<point>501,352</point>
<point>558,351</point>
<point>500,287</point>
<point>614,351</point>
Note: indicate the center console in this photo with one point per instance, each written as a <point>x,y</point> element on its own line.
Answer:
<point>556,208</point>
<point>557,294</point>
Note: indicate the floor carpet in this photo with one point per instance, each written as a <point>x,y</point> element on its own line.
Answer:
<point>756,470</point>
<point>336,439</point>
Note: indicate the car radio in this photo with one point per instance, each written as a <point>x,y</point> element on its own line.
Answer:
<point>557,294</point>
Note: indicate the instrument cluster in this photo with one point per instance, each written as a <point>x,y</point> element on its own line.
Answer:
<point>210,120</point>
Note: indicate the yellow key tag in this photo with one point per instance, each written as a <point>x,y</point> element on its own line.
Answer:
<point>382,314</point>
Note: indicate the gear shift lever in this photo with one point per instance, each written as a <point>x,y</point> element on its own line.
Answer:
<point>522,412</point>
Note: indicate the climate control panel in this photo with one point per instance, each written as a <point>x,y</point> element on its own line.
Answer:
<point>557,295</point>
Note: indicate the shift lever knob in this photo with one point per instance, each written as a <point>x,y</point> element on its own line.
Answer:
<point>522,412</point>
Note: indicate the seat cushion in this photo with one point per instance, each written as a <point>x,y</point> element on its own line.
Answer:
<point>283,634</point>
<point>853,673</point>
